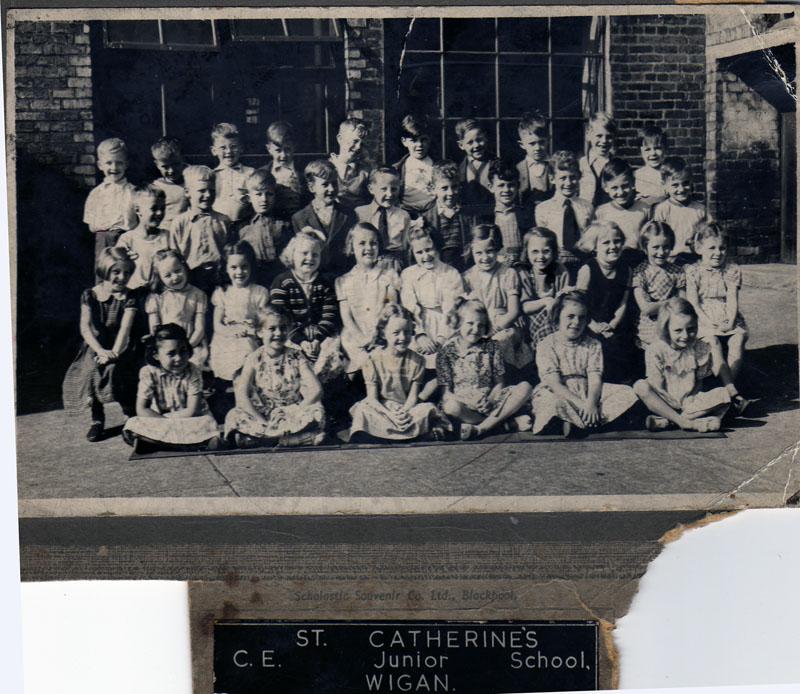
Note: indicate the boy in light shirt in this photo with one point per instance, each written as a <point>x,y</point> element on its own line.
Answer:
<point>230,174</point>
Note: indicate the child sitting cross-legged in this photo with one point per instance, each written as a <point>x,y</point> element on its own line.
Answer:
<point>393,375</point>
<point>277,393</point>
<point>570,364</point>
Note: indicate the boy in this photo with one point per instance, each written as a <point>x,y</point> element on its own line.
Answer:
<point>565,214</point>
<point>109,206</point>
<point>289,189</point>
<point>167,157</point>
<point>512,220</point>
<point>474,168</point>
<point>653,146</point>
<point>264,232</point>
<point>445,220</point>
<point>679,210</point>
<point>628,213</point>
<point>145,240</point>
<point>200,233</point>
<point>326,215</point>
<point>416,167</point>
<point>391,221</point>
<point>230,174</point>
<point>535,182</point>
<point>352,172</point>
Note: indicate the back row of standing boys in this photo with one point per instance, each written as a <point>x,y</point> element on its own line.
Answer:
<point>449,287</point>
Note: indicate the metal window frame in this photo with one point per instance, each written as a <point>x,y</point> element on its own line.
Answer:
<point>237,37</point>
<point>161,45</point>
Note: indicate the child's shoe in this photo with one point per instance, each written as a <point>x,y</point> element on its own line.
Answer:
<point>95,432</point>
<point>129,437</point>
<point>653,423</point>
<point>468,431</point>
<point>740,404</point>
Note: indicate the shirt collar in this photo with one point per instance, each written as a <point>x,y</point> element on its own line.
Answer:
<point>104,294</point>
<point>199,213</point>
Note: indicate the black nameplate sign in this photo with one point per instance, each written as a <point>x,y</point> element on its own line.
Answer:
<point>333,657</point>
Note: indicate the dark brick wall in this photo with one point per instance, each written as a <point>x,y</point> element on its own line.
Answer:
<point>658,78</point>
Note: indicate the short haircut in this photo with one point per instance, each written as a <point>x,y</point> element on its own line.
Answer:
<point>109,257</point>
<point>227,130</point>
<point>261,178</point>
<point>463,126</point>
<point>192,175</point>
<point>503,171</point>
<point>382,171</point>
<point>166,147</point>
<point>461,306</point>
<point>486,232</point>
<point>361,226</point>
<point>615,167</point>
<point>564,161</point>
<point>280,133</point>
<point>391,310</point>
<point>542,233</point>
<point>421,233</point>
<point>532,123</point>
<point>113,145</point>
<point>414,127</point>
<point>146,194</point>
<point>577,296</point>
<point>707,230</point>
<point>446,170</point>
<point>656,230</point>
<point>305,234</point>
<point>156,285</point>
<point>674,167</point>
<point>320,168</point>
<point>652,134</point>
<point>676,306</point>
<point>168,331</point>
<point>592,234</point>
<point>355,124</point>
<point>601,119</point>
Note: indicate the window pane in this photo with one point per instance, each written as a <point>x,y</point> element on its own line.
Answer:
<point>123,31</point>
<point>424,35</point>
<point>568,134</point>
<point>523,84</point>
<point>576,34</point>
<point>257,28</point>
<point>462,74</point>
<point>509,141</point>
<point>571,80</point>
<point>187,88</point>
<point>310,27</point>
<point>468,34</point>
<point>195,33</point>
<point>419,88</point>
<point>522,35</point>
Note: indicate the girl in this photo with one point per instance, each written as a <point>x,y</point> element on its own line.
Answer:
<point>103,371</point>
<point>497,287</point>
<point>546,279</point>
<point>470,368</point>
<point>393,375</point>
<point>174,300</point>
<point>363,292</point>
<point>607,282</point>
<point>570,364</point>
<point>429,291</point>
<point>677,363</point>
<point>236,304</point>
<point>310,301</point>
<point>277,394</point>
<point>170,408</point>
<point>601,130</point>
<point>656,279</point>
<point>712,287</point>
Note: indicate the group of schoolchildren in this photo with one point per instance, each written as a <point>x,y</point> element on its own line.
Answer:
<point>421,300</point>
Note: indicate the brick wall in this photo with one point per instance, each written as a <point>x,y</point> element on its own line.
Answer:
<point>54,97</point>
<point>364,65</point>
<point>658,78</point>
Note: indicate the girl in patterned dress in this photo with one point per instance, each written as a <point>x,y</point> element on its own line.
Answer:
<point>277,393</point>
<point>363,292</point>
<point>540,286</point>
<point>236,306</point>
<point>104,371</point>
<point>174,300</point>
<point>656,279</point>
<point>393,375</point>
<point>712,287</point>
<point>171,411</point>
<point>570,363</point>
<point>677,363</point>
<point>471,371</point>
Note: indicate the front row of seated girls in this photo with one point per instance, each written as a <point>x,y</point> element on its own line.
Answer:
<point>426,337</point>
